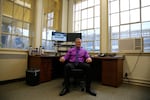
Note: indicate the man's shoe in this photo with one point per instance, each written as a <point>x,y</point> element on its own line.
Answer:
<point>64,91</point>
<point>91,92</point>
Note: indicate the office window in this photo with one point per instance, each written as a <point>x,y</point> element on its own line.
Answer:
<point>86,20</point>
<point>129,19</point>
<point>47,31</point>
<point>16,23</point>
<point>50,21</point>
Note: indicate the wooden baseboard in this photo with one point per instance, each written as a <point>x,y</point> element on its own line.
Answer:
<point>11,81</point>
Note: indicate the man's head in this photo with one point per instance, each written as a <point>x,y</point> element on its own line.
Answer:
<point>78,42</point>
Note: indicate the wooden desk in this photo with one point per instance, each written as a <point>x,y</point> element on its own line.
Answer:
<point>108,70</point>
<point>46,64</point>
<point>111,70</point>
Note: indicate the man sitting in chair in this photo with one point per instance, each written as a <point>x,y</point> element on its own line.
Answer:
<point>77,57</point>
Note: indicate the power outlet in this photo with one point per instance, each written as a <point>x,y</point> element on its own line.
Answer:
<point>126,75</point>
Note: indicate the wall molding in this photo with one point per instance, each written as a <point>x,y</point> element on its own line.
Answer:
<point>11,81</point>
<point>139,82</point>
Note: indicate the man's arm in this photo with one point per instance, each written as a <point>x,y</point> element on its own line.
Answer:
<point>66,57</point>
<point>88,58</point>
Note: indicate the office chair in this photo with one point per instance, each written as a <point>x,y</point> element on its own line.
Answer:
<point>78,78</point>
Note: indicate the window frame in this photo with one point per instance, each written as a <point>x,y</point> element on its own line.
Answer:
<point>88,37</point>
<point>19,31</point>
<point>131,27</point>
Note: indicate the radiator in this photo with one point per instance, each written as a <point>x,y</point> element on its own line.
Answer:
<point>12,66</point>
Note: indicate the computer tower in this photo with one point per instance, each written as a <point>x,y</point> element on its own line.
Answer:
<point>32,77</point>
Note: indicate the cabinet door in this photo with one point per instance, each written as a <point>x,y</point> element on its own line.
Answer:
<point>109,72</point>
<point>45,70</point>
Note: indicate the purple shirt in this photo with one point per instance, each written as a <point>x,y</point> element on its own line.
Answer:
<point>71,54</point>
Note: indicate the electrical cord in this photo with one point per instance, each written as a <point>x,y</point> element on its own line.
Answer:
<point>137,60</point>
<point>126,74</point>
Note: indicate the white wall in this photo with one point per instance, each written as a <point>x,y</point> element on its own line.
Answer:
<point>64,26</point>
<point>138,68</point>
<point>37,23</point>
<point>104,26</point>
<point>13,64</point>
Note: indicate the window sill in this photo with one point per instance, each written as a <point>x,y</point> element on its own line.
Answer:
<point>12,50</point>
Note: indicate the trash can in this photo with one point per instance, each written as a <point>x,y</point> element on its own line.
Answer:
<point>32,76</point>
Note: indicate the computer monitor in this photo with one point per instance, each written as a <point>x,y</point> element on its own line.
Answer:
<point>72,36</point>
<point>59,36</point>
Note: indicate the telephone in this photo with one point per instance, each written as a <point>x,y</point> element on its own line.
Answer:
<point>101,55</point>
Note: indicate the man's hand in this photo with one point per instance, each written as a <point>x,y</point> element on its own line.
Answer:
<point>88,60</point>
<point>62,59</point>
